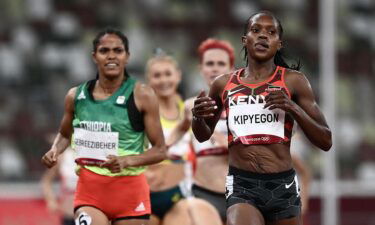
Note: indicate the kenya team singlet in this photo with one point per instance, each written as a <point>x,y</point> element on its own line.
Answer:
<point>248,122</point>
<point>102,127</point>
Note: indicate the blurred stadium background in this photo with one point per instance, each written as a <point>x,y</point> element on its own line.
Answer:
<point>45,48</point>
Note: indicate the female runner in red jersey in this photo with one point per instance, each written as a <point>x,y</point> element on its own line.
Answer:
<point>210,157</point>
<point>262,102</point>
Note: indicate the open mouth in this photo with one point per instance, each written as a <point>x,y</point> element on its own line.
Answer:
<point>111,65</point>
<point>165,87</point>
<point>261,45</point>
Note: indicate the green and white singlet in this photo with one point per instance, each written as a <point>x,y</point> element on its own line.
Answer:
<point>103,127</point>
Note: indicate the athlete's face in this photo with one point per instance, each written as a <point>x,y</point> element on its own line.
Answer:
<point>110,56</point>
<point>164,78</point>
<point>215,62</point>
<point>262,39</point>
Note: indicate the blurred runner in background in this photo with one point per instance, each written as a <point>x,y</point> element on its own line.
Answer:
<point>210,158</point>
<point>61,202</point>
<point>168,186</point>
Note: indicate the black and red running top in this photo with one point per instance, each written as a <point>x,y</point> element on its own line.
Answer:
<point>248,122</point>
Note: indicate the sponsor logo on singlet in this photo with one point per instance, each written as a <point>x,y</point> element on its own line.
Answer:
<point>120,100</point>
<point>81,95</point>
<point>230,92</point>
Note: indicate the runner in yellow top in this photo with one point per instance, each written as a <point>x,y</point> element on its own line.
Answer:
<point>165,179</point>
<point>164,76</point>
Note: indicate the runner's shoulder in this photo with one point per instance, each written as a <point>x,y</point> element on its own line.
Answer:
<point>223,79</point>
<point>220,81</point>
<point>71,94</point>
<point>144,96</point>
<point>143,90</point>
<point>296,80</point>
<point>291,74</point>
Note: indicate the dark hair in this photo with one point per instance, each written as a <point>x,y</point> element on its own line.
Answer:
<point>279,58</point>
<point>116,32</point>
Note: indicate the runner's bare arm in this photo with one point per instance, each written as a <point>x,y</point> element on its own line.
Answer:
<point>47,188</point>
<point>207,110</point>
<point>183,126</point>
<point>147,103</point>
<point>310,118</point>
<point>303,108</point>
<point>62,139</point>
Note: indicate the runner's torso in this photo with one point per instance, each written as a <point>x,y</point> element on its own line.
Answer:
<point>258,138</point>
<point>103,127</point>
<point>212,146</point>
<point>170,172</point>
<point>212,159</point>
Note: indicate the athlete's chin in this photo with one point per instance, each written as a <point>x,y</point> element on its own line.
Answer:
<point>112,74</point>
<point>262,57</point>
<point>165,94</point>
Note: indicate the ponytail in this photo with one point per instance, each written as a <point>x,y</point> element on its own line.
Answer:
<point>279,60</point>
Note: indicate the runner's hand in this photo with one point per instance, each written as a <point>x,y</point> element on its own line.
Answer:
<point>50,158</point>
<point>279,100</point>
<point>204,106</point>
<point>114,163</point>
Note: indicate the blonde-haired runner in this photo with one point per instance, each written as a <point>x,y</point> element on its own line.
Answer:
<point>171,201</point>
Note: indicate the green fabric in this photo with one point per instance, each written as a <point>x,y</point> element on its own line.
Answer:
<point>112,113</point>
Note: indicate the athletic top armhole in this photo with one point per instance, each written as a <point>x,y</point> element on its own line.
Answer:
<point>283,81</point>
<point>135,116</point>
<point>90,87</point>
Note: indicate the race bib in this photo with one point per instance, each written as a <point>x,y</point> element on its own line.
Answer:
<point>252,120</point>
<point>93,147</point>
